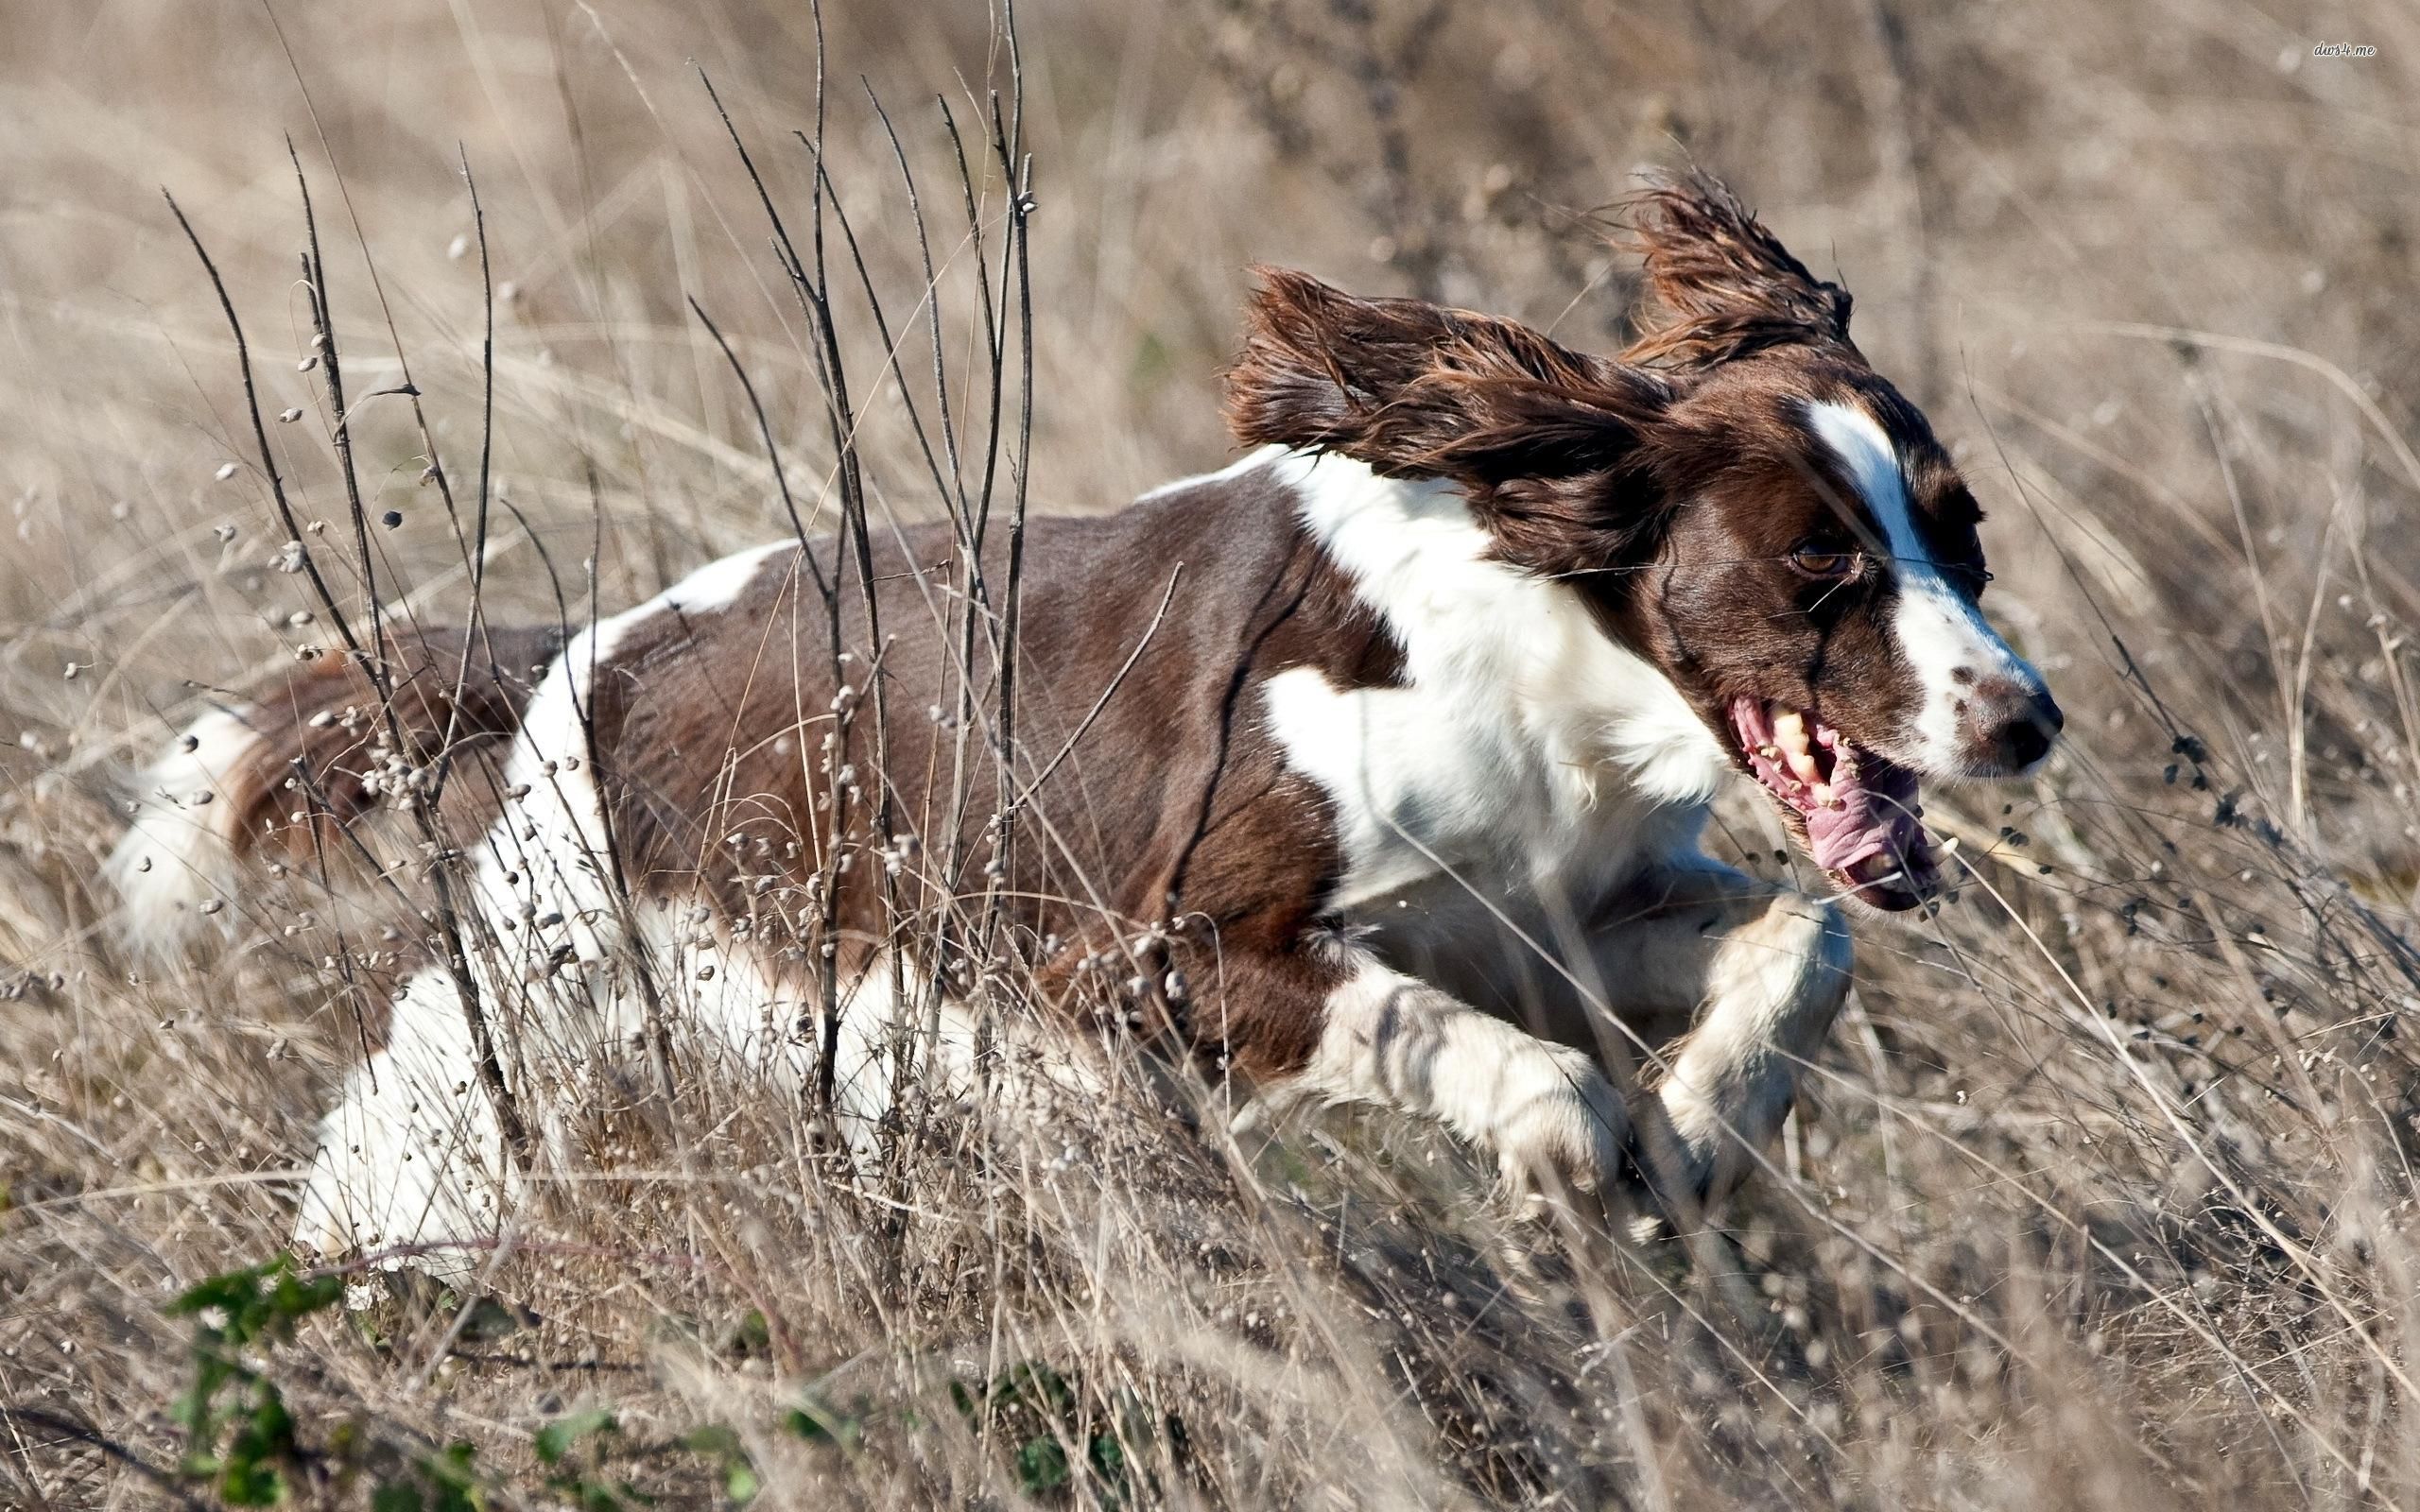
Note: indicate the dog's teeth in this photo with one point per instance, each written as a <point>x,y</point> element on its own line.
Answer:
<point>1769,752</point>
<point>1790,732</point>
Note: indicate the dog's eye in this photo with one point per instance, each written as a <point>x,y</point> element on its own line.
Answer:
<point>1825,562</point>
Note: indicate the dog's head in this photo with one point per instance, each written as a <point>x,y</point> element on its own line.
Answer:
<point>1739,497</point>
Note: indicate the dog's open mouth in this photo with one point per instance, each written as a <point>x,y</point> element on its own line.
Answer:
<point>1859,811</point>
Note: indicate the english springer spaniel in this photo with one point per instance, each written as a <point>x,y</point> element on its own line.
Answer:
<point>1370,768</point>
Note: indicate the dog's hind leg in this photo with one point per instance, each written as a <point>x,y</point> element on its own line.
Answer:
<point>411,1155</point>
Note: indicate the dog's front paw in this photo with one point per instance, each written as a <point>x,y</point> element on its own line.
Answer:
<point>1567,1131</point>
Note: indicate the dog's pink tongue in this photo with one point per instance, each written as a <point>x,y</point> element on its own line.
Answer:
<point>1877,813</point>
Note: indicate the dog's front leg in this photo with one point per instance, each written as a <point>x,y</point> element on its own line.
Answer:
<point>1762,970</point>
<point>1357,1031</point>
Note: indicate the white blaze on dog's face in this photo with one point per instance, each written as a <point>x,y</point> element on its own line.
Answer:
<point>1980,711</point>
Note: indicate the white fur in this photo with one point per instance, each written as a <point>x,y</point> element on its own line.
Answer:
<point>716,585</point>
<point>1527,751</point>
<point>1527,747</point>
<point>402,1157</point>
<point>1940,632</point>
<point>1024,1075</point>
<point>1532,756</point>
<point>1396,1041</point>
<point>545,874</point>
<point>179,854</point>
<point>412,1154</point>
<point>1249,461</point>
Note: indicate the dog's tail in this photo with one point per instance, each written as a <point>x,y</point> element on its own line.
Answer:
<point>316,745</point>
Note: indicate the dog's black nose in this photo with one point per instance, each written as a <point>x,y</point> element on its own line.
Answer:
<point>2026,736</point>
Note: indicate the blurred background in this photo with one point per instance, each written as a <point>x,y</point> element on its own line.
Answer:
<point>2149,266</point>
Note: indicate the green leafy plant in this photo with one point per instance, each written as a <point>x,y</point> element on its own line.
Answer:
<point>233,1310</point>
<point>1036,1409</point>
<point>722,1446</point>
<point>818,1422</point>
<point>588,1487</point>
<point>575,1449</point>
<point>244,1443</point>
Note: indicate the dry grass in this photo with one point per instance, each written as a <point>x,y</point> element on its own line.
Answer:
<point>2105,1195</point>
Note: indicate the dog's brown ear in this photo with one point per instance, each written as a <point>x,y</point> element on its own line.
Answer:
<point>1723,286</point>
<point>1416,389</point>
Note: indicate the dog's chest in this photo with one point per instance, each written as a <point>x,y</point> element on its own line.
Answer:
<point>1519,750</point>
<point>1428,786</point>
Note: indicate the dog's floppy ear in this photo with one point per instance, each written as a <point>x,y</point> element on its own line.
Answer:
<point>1550,446</point>
<point>1723,286</point>
<point>1416,389</point>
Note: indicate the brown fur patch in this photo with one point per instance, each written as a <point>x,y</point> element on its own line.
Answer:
<point>329,718</point>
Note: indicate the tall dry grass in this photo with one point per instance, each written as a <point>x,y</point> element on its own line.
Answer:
<point>2102,1192</point>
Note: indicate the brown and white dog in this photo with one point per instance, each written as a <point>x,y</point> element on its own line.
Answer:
<point>1366,747</point>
